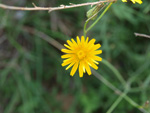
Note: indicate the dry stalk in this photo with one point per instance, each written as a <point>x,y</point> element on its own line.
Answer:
<point>50,9</point>
<point>142,35</point>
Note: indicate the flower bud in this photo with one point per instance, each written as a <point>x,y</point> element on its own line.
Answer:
<point>92,13</point>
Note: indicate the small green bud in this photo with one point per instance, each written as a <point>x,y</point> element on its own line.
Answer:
<point>92,13</point>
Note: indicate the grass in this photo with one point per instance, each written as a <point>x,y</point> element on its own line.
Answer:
<point>32,79</point>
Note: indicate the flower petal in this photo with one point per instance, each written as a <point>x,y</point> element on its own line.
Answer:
<point>74,43</point>
<point>97,52</point>
<point>133,1</point>
<point>69,43</point>
<point>66,51</point>
<point>67,46</point>
<point>97,58</point>
<point>82,40</point>
<point>97,46</point>
<point>88,69</point>
<point>83,65</point>
<point>91,41</point>
<point>81,70</point>
<point>67,61</point>
<point>94,66</point>
<point>78,40</point>
<point>90,44</point>
<point>95,61</point>
<point>70,65</point>
<point>87,39</point>
<point>124,0</point>
<point>90,62</point>
<point>66,56</point>
<point>74,69</point>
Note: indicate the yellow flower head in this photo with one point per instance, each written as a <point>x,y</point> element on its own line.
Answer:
<point>134,1</point>
<point>82,54</point>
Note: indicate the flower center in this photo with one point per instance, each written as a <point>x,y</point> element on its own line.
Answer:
<point>80,54</point>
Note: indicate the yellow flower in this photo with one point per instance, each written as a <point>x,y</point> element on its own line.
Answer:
<point>82,54</point>
<point>134,1</point>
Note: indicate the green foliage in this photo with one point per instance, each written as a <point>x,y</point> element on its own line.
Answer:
<point>32,79</point>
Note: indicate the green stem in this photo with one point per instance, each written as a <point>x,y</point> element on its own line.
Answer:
<point>85,31</point>
<point>111,86</point>
<point>85,28</point>
<point>98,18</point>
<point>139,71</point>
<point>110,110</point>
<point>114,105</point>
<point>115,71</point>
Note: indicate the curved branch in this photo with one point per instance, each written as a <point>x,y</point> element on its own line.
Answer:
<point>35,8</point>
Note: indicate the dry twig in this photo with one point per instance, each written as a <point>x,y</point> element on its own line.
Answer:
<point>35,8</point>
<point>45,37</point>
<point>142,35</point>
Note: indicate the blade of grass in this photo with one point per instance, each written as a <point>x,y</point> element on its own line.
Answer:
<point>12,104</point>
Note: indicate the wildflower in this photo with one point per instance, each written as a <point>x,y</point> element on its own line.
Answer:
<point>81,55</point>
<point>134,1</point>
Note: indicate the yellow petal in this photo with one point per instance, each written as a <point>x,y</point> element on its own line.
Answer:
<point>74,43</point>
<point>95,61</point>
<point>124,0</point>
<point>70,65</point>
<point>67,61</point>
<point>81,70</point>
<point>87,39</point>
<point>97,58</point>
<point>97,52</point>
<point>78,40</point>
<point>91,42</point>
<point>69,43</point>
<point>94,66</point>
<point>66,51</point>
<point>133,1</point>
<point>88,69</point>
<point>138,1</point>
<point>67,46</point>
<point>95,47</point>
<point>82,40</point>
<point>83,66</point>
<point>66,56</point>
<point>90,62</point>
<point>74,69</point>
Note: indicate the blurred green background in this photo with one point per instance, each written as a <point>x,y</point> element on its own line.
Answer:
<point>32,79</point>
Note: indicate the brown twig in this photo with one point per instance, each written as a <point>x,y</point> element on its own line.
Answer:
<point>44,37</point>
<point>142,35</point>
<point>35,8</point>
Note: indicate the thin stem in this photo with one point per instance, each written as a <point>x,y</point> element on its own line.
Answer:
<point>110,110</point>
<point>44,37</point>
<point>138,72</point>
<point>35,8</point>
<point>115,71</point>
<point>85,28</point>
<point>106,82</point>
<point>142,35</point>
<point>87,21</point>
<point>99,17</point>
<point>114,105</point>
<point>111,86</point>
